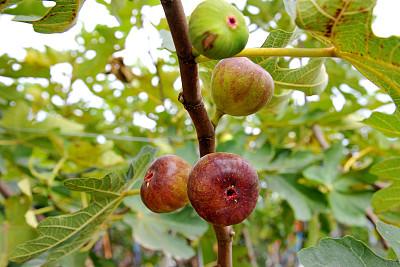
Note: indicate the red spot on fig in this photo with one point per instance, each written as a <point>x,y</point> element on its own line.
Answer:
<point>232,22</point>
<point>223,188</point>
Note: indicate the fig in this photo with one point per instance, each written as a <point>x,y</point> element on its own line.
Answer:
<point>240,87</point>
<point>217,29</point>
<point>223,188</point>
<point>165,184</point>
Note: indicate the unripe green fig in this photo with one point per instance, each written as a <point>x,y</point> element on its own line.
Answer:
<point>165,184</point>
<point>240,87</point>
<point>217,29</point>
<point>223,188</point>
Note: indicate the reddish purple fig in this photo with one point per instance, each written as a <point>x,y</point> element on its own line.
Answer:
<point>223,188</point>
<point>165,184</point>
<point>240,87</point>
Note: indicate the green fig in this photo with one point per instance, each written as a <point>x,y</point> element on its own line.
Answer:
<point>240,87</point>
<point>217,29</point>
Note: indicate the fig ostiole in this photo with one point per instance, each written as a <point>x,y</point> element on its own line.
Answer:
<point>223,188</point>
<point>217,29</point>
<point>165,184</point>
<point>240,87</point>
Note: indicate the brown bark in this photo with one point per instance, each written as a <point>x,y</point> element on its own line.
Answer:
<point>192,101</point>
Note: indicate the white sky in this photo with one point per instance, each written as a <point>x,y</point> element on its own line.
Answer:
<point>16,36</point>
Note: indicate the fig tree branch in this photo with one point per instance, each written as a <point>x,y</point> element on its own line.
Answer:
<point>281,52</point>
<point>192,101</point>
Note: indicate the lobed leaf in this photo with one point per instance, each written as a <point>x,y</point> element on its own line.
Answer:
<point>59,18</point>
<point>347,26</point>
<point>346,251</point>
<point>111,185</point>
<point>66,233</point>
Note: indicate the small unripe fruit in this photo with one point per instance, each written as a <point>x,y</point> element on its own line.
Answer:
<point>223,188</point>
<point>217,29</point>
<point>240,87</point>
<point>165,184</point>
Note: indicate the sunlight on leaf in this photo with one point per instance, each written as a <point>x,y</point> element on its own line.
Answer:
<point>347,26</point>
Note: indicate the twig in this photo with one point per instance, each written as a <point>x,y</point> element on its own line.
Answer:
<point>282,52</point>
<point>249,246</point>
<point>5,191</point>
<point>319,135</point>
<point>368,213</point>
<point>353,159</point>
<point>374,219</point>
<point>191,95</point>
<point>107,246</point>
<point>192,101</point>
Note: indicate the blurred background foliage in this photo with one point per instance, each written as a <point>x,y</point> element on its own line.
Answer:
<point>308,192</point>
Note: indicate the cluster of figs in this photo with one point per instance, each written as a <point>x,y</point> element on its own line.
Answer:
<point>222,187</point>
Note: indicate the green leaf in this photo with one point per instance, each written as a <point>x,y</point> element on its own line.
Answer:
<point>389,168</point>
<point>30,67</point>
<point>350,208</point>
<point>164,231</point>
<point>6,3</point>
<point>311,78</point>
<point>139,164</point>
<point>329,171</point>
<point>391,234</point>
<point>387,124</point>
<point>65,234</point>
<point>88,154</point>
<point>287,161</point>
<point>59,18</point>
<point>27,8</point>
<point>15,226</point>
<point>64,125</point>
<point>386,198</point>
<point>16,117</point>
<point>346,252</point>
<point>347,26</point>
<point>110,185</point>
<point>304,201</point>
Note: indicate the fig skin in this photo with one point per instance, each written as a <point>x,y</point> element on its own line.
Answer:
<point>223,188</point>
<point>165,184</point>
<point>217,29</point>
<point>240,87</point>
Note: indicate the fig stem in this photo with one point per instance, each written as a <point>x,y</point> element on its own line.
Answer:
<point>217,116</point>
<point>281,52</point>
<point>132,192</point>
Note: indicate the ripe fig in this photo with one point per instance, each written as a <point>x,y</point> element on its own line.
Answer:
<point>240,87</point>
<point>223,188</point>
<point>165,184</point>
<point>217,29</point>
